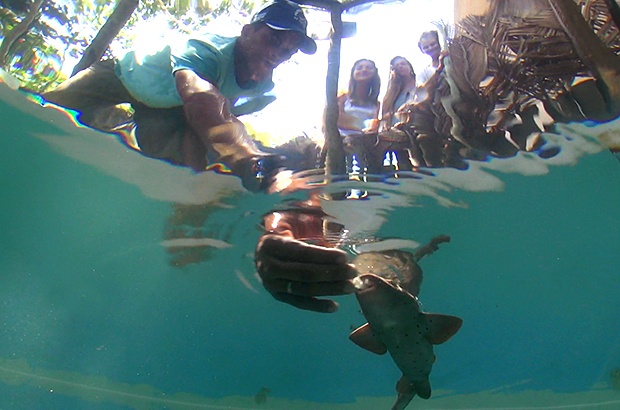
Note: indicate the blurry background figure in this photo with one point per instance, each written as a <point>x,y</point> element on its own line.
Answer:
<point>358,113</point>
<point>393,146</point>
<point>401,89</point>
<point>429,44</point>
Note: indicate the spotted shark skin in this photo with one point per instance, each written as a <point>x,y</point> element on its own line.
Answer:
<point>397,326</point>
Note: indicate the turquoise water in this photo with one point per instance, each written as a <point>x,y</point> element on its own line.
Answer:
<point>100,311</point>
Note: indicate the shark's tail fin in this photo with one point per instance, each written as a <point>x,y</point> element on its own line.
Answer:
<point>402,401</point>
<point>406,392</point>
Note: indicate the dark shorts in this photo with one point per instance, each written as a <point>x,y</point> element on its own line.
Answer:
<point>96,94</point>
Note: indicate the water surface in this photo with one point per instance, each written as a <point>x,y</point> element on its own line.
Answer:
<point>106,304</point>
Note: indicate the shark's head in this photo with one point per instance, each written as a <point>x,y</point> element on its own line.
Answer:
<point>376,293</point>
<point>370,282</point>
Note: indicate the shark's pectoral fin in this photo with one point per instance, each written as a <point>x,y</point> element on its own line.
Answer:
<point>364,338</point>
<point>441,327</point>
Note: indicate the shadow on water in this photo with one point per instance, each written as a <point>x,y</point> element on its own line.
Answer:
<point>130,283</point>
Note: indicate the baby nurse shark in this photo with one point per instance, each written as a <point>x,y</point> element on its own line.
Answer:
<point>396,325</point>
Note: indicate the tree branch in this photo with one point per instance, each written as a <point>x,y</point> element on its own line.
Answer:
<point>18,31</point>
<point>106,34</point>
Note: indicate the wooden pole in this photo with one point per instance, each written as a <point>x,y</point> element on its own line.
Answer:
<point>18,31</point>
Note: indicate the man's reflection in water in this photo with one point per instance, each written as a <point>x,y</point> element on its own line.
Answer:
<point>193,233</point>
<point>297,258</point>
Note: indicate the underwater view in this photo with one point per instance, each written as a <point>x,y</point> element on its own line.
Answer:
<point>471,264</point>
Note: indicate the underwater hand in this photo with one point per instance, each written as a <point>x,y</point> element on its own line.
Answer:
<point>295,272</point>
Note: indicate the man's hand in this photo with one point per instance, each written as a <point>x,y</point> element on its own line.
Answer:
<point>294,272</point>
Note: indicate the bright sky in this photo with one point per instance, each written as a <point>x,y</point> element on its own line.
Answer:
<point>383,31</point>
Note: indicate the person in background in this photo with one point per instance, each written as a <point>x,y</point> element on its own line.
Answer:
<point>401,89</point>
<point>393,146</point>
<point>186,105</point>
<point>358,113</point>
<point>430,45</point>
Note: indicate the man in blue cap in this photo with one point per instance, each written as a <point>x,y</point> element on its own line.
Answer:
<point>186,105</point>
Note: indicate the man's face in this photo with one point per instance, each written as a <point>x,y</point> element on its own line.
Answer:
<point>430,46</point>
<point>263,49</point>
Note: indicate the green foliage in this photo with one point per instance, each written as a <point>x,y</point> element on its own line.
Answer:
<point>63,28</point>
<point>36,57</point>
<point>181,8</point>
<point>189,16</point>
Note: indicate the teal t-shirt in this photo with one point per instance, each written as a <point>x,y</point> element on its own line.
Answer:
<point>149,77</point>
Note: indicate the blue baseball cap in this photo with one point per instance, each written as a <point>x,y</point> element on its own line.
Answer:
<point>286,15</point>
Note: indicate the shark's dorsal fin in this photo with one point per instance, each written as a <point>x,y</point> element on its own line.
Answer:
<point>441,327</point>
<point>364,338</point>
